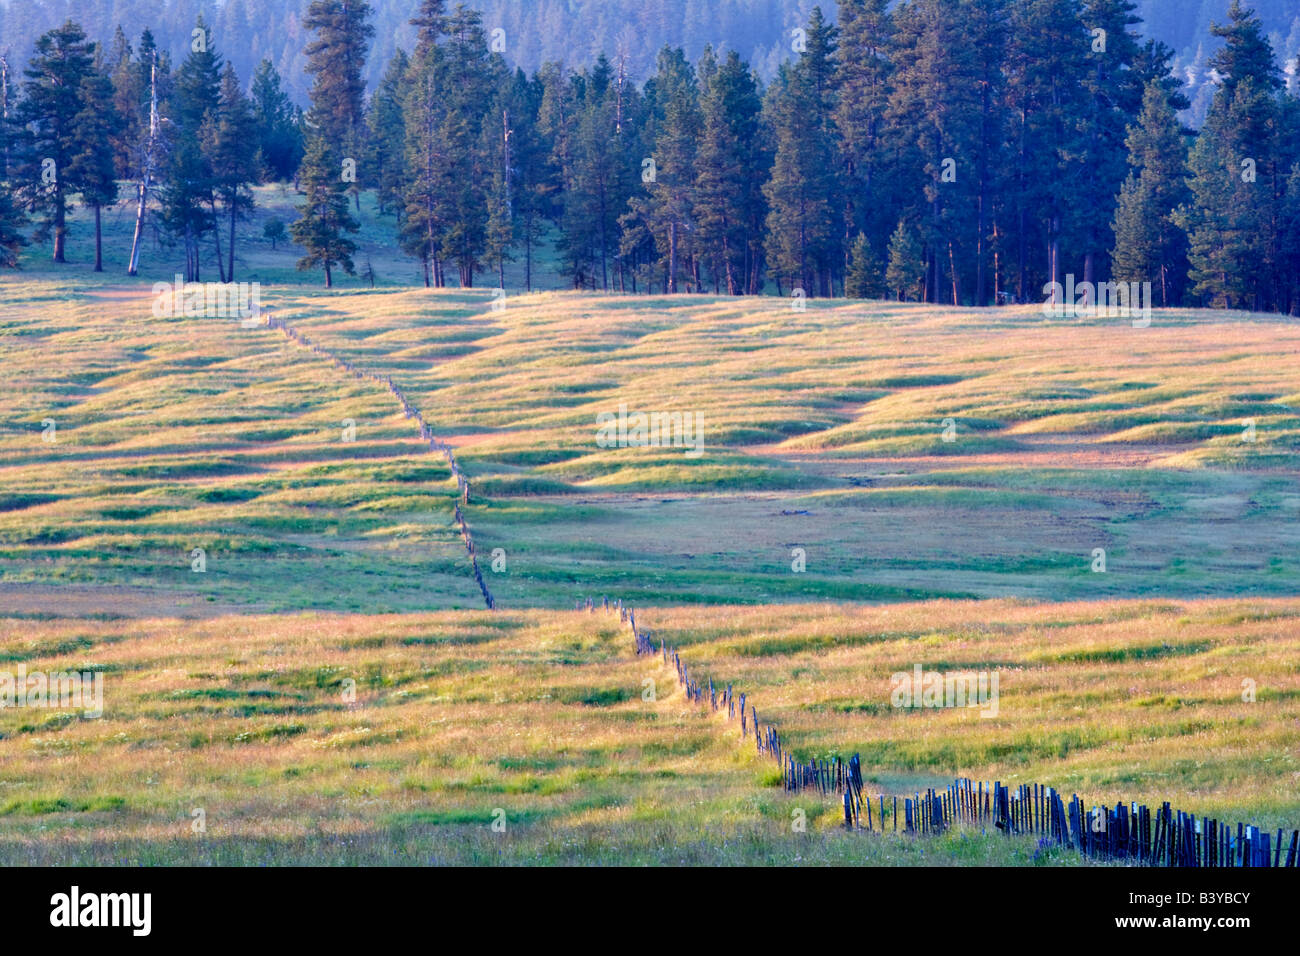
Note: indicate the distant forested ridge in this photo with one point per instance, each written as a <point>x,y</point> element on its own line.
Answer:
<point>573,32</point>
<point>966,152</point>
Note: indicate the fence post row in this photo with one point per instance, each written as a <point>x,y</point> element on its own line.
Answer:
<point>1126,832</point>
<point>426,434</point>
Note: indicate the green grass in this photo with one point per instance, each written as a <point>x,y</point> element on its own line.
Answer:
<point>827,535</point>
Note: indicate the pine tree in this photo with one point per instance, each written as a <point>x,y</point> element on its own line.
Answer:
<point>276,124</point>
<point>92,168</point>
<point>1229,221</point>
<point>805,235</point>
<point>1238,176</point>
<point>197,94</point>
<point>323,216</point>
<point>127,101</point>
<point>666,206</point>
<point>188,199</point>
<point>428,168</point>
<point>989,31</point>
<point>468,78</point>
<point>579,126</point>
<point>1114,93</point>
<point>931,110</point>
<point>11,238</point>
<point>1047,59</point>
<point>1251,80</point>
<point>12,218</point>
<point>388,132</point>
<point>865,43</point>
<point>599,165</point>
<point>905,275</point>
<point>336,59</point>
<point>534,174</point>
<point>730,109</point>
<point>430,24</point>
<point>800,218</point>
<point>234,165</point>
<point>1148,242</point>
<point>1246,52</point>
<point>863,280</point>
<point>49,113</point>
<point>1290,242</point>
<point>499,237</point>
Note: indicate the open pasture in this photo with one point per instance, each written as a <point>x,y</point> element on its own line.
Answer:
<point>542,719</point>
<point>330,555</point>
<point>1171,447</point>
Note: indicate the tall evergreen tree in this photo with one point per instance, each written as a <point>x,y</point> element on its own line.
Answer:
<point>801,220</point>
<point>92,168</point>
<point>727,176</point>
<point>427,165</point>
<point>1290,243</point>
<point>666,208</point>
<point>11,237</point>
<point>1149,244</point>
<point>804,236</point>
<point>989,29</point>
<point>534,174</point>
<point>234,166</point>
<point>863,280</point>
<point>599,168</point>
<point>324,218</point>
<point>188,199</point>
<point>1228,221</point>
<point>49,115</point>
<point>499,234</point>
<point>197,94</point>
<point>1047,60</point>
<point>1246,52</point>
<point>1114,91</point>
<point>12,218</point>
<point>125,77</point>
<point>905,274</point>
<point>468,79</point>
<point>388,132</point>
<point>430,23</point>
<point>935,112</point>
<point>865,45</point>
<point>276,124</point>
<point>336,59</point>
<point>1239,175</point>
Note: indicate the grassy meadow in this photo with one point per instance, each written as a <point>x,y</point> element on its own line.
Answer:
<point>881,485</point>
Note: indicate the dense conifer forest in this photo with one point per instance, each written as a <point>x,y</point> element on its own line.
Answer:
<point>949,151</point>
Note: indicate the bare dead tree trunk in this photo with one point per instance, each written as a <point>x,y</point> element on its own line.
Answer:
<point>145,185</point>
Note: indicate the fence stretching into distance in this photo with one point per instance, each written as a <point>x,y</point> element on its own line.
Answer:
<point>1126,832</point>
<point>426,434</point>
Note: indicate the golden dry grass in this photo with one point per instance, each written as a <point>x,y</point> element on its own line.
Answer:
<point>823,432</point>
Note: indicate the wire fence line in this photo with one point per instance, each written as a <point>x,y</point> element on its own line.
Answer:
<point>1126,832</point>
<point>435,445</point>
